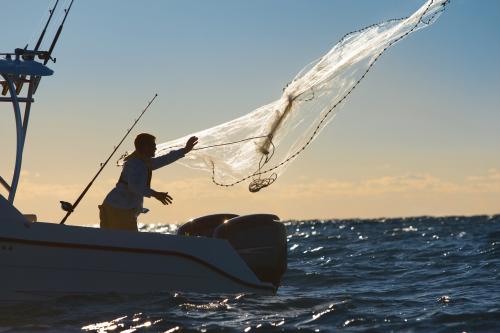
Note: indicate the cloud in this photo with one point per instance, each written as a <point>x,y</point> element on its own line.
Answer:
<point>201,187</point>
<point>485,183</point>
<point>31,187</point>
<point>301,197</point>
<point>394,184</point>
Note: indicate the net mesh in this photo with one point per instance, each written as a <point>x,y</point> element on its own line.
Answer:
<point>257,147</point>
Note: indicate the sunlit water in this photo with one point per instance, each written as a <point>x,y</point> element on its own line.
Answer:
<point>401,275</point>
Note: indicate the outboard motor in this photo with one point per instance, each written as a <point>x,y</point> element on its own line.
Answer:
<point>204,226</point>
<point>260,239</point>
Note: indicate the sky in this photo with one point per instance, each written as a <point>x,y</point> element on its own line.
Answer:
<point>419,136</point>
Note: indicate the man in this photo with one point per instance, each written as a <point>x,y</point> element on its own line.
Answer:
<point>123,204</point>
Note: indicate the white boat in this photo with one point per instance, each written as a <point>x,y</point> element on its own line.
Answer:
<point>40,260</point>
<point>213,254</point>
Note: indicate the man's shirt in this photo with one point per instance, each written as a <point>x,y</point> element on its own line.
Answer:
<point>131,192</point>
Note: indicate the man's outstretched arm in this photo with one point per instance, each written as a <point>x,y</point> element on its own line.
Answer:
<point>168,158</point>
<point>174,155</point>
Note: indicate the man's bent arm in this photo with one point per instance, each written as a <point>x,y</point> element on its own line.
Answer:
<point>170,157</point>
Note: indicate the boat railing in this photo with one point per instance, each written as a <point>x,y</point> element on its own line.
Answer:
<point>16,69</point>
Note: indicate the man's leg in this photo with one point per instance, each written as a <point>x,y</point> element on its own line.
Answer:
<point>117,218</point>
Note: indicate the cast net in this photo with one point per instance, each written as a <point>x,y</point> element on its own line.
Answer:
<point>257,147</point>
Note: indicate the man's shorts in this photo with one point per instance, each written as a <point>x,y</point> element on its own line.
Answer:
<point>118,218</point>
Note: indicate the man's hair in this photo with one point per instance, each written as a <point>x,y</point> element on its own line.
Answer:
<point>143,139</point>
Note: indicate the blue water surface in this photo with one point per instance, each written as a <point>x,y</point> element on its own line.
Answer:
<point>422,274</point>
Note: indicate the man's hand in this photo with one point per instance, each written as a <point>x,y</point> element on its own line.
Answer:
<point>190,144</point>
<point>163,197</point>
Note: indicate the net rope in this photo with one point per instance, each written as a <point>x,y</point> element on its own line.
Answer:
<point>236,151</point>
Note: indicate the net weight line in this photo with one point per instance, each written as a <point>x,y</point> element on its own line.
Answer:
<point>260,182</point>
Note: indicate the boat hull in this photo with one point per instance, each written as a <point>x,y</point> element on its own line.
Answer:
<point>40,270</point>
<point>40,260</point>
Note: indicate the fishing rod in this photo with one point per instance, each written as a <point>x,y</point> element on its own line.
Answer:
<point>68,207</point>
<point>51,11</point>
<point>46,56</point>
<point>58,33</point>
<point>20,82</point>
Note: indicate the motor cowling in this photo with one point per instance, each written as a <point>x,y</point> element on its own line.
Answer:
<point>260,239</point>
<point>204,226</point>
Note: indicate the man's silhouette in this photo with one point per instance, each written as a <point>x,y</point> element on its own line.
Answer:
<point>123,204</point>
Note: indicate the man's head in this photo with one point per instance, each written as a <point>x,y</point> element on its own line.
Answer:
<point>145,144</point>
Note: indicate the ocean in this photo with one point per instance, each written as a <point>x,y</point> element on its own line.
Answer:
<point>421,274</point>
